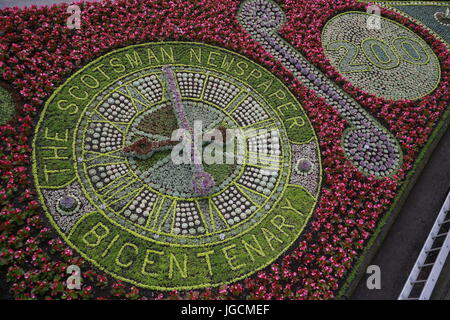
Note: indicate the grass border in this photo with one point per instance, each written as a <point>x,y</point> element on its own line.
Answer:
<point>16,100</point>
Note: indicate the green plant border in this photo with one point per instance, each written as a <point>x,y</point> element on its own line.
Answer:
<point>8,108</point>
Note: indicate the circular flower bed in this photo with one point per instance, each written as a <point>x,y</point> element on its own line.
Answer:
<point>176,237</point>
<point>67,205</point>
<point>38,53</point>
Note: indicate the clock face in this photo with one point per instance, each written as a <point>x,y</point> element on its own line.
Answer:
<point>176,165</point>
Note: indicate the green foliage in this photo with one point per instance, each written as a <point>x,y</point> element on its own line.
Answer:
<point>7,106</point>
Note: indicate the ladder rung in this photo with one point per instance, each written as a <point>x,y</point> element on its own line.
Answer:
<point>418,281</point>
<point>426,265</point>
<point>435,249</point>
<point>440,235</point>
<point>444,222</point>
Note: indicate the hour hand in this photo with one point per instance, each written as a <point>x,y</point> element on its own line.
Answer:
<point>145,148</point>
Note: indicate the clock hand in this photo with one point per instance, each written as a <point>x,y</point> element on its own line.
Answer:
<point>262,20</point>
<point>144,148</point>
<point>202,181</point>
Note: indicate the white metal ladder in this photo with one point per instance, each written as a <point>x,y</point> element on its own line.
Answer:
<point>428,266</point>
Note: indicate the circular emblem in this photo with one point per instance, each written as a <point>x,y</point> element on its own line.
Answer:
<point>176,165</point>
<point>381,56</point>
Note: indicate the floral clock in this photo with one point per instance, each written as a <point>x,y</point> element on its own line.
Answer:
<point>105,170</point>
<point>173,164</point>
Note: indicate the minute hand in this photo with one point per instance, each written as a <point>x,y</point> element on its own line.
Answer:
<point>202,181</point>
<point>369,145</point>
